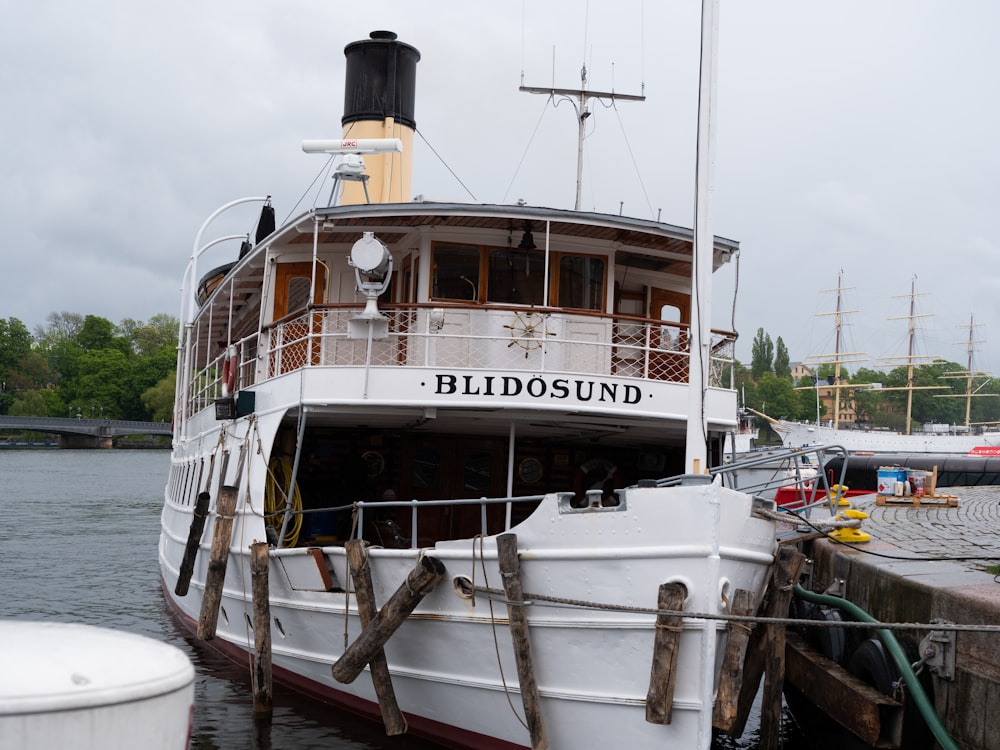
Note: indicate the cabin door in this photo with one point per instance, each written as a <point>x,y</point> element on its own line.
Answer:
<point>292,345</point>
<point>668,344</point>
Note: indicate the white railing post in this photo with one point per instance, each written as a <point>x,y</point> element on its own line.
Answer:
<point>189,292</point>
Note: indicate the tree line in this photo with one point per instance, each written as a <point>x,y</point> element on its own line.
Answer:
<point>86,366</point>
<point>939,394</point>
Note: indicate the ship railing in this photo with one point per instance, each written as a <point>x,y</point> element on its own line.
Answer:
<point>414,539</point>
<point>206,383</point>
<point>799,470</point>
<point>372,514</point>
<point>496,337</point>
<point>467,337</point>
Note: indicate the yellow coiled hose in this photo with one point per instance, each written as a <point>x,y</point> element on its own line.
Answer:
<point>279,473</point>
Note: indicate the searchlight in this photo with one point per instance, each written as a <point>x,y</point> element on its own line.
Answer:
<point>372,264</point>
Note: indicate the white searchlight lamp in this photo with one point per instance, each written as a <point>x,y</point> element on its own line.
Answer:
<point>372,264</point>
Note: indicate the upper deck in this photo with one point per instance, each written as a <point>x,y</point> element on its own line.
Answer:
<point>539,310</point>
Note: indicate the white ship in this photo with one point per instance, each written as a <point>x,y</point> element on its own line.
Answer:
<point>441,381</point>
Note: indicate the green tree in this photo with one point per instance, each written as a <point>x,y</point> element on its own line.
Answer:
<point>776,397</point>
<point>782,363</point>
<point>147,372</point>
<point>15,343</point>
<point>159,331</point>
<point>159,399</point>
<point>95,333</point>
<point>85,364</point>
<point>38,403</point>
<point>103,384</point>
<point>761,354</point>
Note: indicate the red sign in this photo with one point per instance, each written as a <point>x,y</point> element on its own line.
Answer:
<point>985,450</point>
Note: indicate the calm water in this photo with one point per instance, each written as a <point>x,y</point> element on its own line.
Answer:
<point>79,544</point>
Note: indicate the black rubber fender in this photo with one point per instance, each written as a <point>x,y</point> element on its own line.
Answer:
<point>831,642</point>
<point>872,663</point>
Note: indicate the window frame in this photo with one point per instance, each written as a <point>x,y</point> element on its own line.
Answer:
<point>482,290</point>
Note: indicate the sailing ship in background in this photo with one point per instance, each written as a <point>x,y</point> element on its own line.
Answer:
<point>934,438</point>
<point>499,407</point>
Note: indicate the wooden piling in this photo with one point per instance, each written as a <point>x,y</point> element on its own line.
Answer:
<point>364,593</point>
<point>663,674</point>
<point>417,585</point>
<point>215,578</point>
<point>262,685</point>
<point>193,542</point>
<point>510,572</point>
<point>774,676</point>
<point>785,574</point>
<point>731,672</point>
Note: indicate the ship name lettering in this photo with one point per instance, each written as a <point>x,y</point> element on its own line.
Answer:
<point>537,387</point>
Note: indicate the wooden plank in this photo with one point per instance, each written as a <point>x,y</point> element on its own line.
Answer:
<point>731,672</point>
<point>510,572</point>
<point>419,582</point>
<point>364,592</point>
<point>663,673</point>
<point>949,501</point>
<point>193,542</point>
<point>875,718</point>
<point>263,690</point>
<point>785,574</point>
<point>215,578</point>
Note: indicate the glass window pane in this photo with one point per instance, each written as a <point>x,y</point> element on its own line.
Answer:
<point>477,473</point>
<point>581,282</point>
<point>517,277</point>
<point>298,293</point>
<point>426,469</point>
<point>455,273</point>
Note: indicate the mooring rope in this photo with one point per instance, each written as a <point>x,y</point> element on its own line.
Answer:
<point>493,623</point>
<point>556,601</point>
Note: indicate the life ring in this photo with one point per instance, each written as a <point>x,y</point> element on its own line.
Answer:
<point>229,368</point>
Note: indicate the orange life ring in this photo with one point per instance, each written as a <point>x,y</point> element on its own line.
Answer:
<point>228,375</point>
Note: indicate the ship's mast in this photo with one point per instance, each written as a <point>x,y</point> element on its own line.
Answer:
<point>969,375</point>
<point>837,357</point>
<point>582,106</point>
<point>911,357</point>
<point>696,450</point>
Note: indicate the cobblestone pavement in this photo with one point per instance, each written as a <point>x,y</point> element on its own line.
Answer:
<point>969,530</point>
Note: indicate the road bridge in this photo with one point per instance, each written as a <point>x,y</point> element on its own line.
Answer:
<point>84,433</point>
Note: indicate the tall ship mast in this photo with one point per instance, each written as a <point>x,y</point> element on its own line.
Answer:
<point>797,434</point>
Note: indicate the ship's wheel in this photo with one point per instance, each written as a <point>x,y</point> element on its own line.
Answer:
<point>528,331</point>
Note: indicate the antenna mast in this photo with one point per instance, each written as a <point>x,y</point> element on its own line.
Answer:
<point>582,106</point>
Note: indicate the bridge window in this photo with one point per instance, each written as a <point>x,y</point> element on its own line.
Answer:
<point>456,273</point>
<point>581,282</point>
<point>516,276</point>
<point>511,280</point>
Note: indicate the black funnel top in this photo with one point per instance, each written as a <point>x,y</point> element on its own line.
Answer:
<point>381,80</point>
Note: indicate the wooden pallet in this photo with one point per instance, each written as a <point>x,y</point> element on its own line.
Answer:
<point>950,501</point>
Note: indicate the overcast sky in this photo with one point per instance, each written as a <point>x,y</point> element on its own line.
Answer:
<point>856,136</point>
